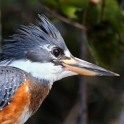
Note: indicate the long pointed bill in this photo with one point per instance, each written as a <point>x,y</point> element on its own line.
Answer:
<point>85,68</point>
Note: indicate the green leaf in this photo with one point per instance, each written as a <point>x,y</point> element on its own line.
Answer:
<point>113,14</point>
<point>112,11</point>
<point>75,3</point>
<point>69,11</point>
<point>117,26</point>
<point>104,42</point>
<point>33,2</point>
<point>51,2</point>
<point>93,15</point>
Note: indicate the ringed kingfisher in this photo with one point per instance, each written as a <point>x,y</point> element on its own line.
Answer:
<point>31,61</point>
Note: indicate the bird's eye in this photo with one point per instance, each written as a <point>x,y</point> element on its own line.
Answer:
<point>57,52</point>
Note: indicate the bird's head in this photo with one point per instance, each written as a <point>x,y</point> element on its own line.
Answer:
<point>40,50</point>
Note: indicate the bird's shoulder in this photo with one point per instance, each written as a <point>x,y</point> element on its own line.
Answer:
<point>11,79</point>
<point>14,98</point>
<point>19,90</point>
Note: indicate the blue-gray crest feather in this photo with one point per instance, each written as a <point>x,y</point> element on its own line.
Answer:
<point>24,44</point>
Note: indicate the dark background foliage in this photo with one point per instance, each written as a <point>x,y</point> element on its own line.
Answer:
<point>93,30</point>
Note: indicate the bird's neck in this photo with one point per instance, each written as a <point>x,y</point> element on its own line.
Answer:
<point>38,90</point>
<point>42,82</point>
<point>38,71</point>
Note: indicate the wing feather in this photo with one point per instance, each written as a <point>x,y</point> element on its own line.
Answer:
<point>11,79</point>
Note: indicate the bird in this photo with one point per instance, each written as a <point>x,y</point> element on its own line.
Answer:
<point>31,60</point>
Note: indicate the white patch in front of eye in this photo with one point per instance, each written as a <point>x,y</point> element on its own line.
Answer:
<point>67,53</point>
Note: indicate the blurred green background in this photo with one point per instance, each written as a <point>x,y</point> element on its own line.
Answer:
<point>93,30</point>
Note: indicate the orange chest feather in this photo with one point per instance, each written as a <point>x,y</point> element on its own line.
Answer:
<point>27,99</point>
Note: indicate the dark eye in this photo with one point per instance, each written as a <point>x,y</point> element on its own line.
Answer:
<point>57,52</point>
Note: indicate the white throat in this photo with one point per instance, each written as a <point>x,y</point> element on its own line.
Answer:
<point>47,71</point>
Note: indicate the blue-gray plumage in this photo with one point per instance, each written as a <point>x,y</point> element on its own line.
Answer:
<point>10,80</point>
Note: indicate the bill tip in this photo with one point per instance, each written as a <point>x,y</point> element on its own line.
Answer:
<point>117,74</point>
